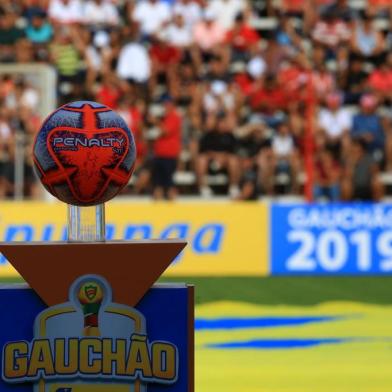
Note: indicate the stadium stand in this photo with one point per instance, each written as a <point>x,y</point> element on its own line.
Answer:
<point>225,97</point>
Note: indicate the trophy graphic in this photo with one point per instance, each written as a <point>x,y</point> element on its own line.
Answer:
<point>99,323</point>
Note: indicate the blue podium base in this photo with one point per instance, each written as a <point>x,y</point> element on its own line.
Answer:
<point>164,314</point>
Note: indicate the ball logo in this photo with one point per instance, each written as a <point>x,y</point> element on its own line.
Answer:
<point>90,344</point>
<point>84,153</point>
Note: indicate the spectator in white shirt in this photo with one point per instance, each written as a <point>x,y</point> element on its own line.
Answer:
<point>282,158</point>
<point>226,11</point>
<point>190,10</point>
<point>334,123</point>
<point>152,15</point>
<point>178,33</point>
<point>134,63</point>
<point>65,11</point>
<point>100,13</point>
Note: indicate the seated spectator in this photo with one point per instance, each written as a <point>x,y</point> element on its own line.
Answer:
<point>255,137</point>
<point>327,175</point>
<point>332,33</point>
<point>380,80</point>
<point>208,37</point>
<point>100,14</point>
<point>323,82</point>
<point>354,81</point>
<point>280,158</point>
<point>109,92</point>
<point>5,137</point>
<point>241,38</point>
<point>226,11</point>
<point>360,177</point>
<point>334,122</point>
<point>217,147</point>
<point>367,42</point>
<point>65,11</point>
<point>134,65</point>
<point>39,31</point>
<point>341,9</point>
<point>167,148</point>
<point>10,37</point>
<point>164,62</point>
<point>66,54</point>
<point>274,55</point>
<point>368,127</point>
<point>178,33</point>
<point>268,100</point>
<point>377,7</point>
<point>286,35</point>
<point>151,15</point>
<point>295,77</point>
<point>190,11</point>
<point>97,56</point>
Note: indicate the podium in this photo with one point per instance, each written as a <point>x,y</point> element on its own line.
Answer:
<point>91,319</point>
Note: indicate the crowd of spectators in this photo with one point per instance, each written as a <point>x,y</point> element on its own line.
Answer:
<point>243,89</point>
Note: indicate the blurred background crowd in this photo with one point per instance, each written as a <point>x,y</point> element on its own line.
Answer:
<point>244,99</point>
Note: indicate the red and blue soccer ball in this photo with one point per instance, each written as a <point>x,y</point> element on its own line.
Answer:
<point>84,153</point>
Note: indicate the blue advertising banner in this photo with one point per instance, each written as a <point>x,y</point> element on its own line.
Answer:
<point>66,348</point>
<point>316,239</point>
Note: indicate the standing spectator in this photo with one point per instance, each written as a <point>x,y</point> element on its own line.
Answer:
<point>152,15</point>
<point>66,11</point>
<point>167,149</point>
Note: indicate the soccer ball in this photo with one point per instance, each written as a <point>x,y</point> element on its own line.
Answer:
<point>84,153</point>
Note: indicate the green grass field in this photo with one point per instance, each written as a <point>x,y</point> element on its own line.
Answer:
<point>297,334</point>
<point>285,290</point>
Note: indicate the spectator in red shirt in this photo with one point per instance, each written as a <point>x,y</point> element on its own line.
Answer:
<point>380,80</point>
<point>327,177</point>
<point>167,148</point>
<point>164,59</point>
<point>268,100</point>
<point>241,38</point>
<point>109,92</point>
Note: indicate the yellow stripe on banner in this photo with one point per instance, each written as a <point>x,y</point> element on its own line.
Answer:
<point>332,347</point>
<point>223,238</point>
